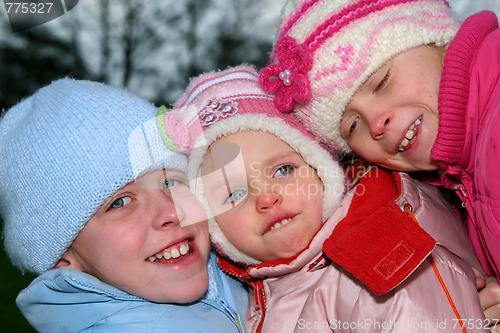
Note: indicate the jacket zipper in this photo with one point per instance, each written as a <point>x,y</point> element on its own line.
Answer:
<point>232,313</point>
<point>259,296</point>
<point>235,315</point>
<point>464,196</point>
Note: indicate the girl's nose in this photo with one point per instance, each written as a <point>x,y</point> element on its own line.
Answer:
<point>268,199</point>
<point>378,123</point>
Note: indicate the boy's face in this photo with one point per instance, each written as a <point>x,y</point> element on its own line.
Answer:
<point>392,119</point>
<point>135,241</point>
<point>272,208</point>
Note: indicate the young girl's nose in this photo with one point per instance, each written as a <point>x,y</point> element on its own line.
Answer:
<point>269,198</point>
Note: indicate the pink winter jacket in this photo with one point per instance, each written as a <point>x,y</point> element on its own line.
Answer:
<point>467,145</point>
<point>310,293</point>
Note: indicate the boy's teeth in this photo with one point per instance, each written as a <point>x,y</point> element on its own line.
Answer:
<point>280,224</point>
<point>409,135</point>
<point>183,249</point>
<point>175,253</point>
<point>172,253</point>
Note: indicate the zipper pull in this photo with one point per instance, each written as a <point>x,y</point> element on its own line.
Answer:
<point>259,294</point>
<point>235,315</point>
<point>237,318</point>
<point>464,195</point>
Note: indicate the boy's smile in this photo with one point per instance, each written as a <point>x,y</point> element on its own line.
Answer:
<point>172,252</point>
<point>271,210</point>
<point>392,120</point>
<point>135,240</point>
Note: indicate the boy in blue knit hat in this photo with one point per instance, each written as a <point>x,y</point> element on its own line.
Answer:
<point>93,202</point>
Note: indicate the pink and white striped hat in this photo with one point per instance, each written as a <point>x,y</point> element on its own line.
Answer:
<point>222,103</point>
<point>326,49</point>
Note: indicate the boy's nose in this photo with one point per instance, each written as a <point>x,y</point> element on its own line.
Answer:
<point>169,213</point>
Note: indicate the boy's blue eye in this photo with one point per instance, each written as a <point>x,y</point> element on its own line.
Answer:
<point>236,195</point>
<point>171,182</point>
<point>284,169</point>
<point>120,202</point>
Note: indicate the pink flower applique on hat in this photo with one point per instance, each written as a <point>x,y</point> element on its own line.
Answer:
<point>288,79</point>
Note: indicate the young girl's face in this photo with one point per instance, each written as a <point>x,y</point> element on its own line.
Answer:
<point>392,119</point>
<point>273,208</point>
<point>135,241</point>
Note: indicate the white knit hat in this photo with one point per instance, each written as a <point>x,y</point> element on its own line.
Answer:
<point>65,151</point>
<point>218,104</point>
<point>326,49</point>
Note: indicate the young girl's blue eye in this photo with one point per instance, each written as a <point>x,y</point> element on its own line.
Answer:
<point>236,195</point>
<point>284,169</point>
<point>120,202</point>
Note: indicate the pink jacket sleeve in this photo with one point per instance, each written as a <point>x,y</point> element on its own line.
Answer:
<point>419,304</point>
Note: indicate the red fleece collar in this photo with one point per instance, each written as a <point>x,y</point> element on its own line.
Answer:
<point>377,242</point>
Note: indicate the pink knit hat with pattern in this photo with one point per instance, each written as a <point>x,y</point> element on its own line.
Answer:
<point>326,49</point>
<point>221,103</point>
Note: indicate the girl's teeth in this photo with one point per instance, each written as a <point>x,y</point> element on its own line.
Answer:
<point>409,135</point>
<point>276,226</point>
<point>172,253</point>
<point>280,224</point>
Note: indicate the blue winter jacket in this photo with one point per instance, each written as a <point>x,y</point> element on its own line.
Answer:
<point>66,300</point>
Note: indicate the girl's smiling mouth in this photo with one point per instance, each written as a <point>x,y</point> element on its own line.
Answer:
<point>278,222</point>
<point>410,135</point>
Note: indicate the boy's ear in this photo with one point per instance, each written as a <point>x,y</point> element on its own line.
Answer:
<point>61,263</point>
<point>68,260</point>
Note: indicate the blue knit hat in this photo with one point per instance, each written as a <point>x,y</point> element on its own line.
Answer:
<point>65,151</point>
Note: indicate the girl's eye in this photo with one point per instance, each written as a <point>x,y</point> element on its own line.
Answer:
<point>236,196</point>
<point>353,125</point>
<point>284,170</point>
<point>382,83</point>
<point>120,202</point>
